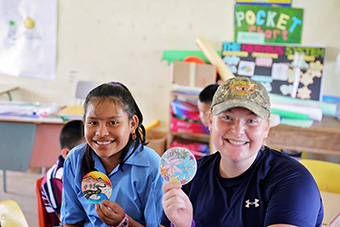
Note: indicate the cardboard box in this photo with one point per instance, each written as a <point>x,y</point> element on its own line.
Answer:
<point>331,208</point>
<point>157,140</point>
<point>192,74</point>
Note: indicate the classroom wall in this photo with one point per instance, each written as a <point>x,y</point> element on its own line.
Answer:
<point>106,40</point>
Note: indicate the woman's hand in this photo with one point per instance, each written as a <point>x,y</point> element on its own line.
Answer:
<point>176,205</point>
<point>110,213</point>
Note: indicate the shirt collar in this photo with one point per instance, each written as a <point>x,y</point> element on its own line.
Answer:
<point>137,158</point>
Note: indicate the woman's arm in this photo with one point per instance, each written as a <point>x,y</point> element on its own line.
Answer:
<point>112,214</point>
<point>177,206</point>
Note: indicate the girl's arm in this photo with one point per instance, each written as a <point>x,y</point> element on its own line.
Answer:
<point>177,206</point>
<point>111,213</point>
<point>79,224</point>
<point>133,223</point>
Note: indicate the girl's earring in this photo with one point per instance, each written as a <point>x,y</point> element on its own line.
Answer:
<point>133,135</point>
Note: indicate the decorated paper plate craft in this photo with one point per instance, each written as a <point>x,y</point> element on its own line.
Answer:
<point>96,186</point>
<point>178,164</point>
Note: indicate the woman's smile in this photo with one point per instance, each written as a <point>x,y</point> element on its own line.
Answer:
<point>235,142</point>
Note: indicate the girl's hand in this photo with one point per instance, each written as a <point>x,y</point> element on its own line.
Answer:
<point>176,205</point>
<point>110,213</point>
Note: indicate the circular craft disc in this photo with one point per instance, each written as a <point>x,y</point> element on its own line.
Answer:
<point>96,186</point>
<point>178,164</point>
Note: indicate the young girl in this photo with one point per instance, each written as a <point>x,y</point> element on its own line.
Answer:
<point>115,140</point>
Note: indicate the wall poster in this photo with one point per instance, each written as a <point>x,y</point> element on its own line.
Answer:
<point>289,70</point>
<point>28,38</point>
<point>276,24</point>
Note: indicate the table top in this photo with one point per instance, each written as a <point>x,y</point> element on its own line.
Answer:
<point>327,123</point>
<point>41,120</point>
<point>331,206</point>
<point>11,111</point>
<point>321,137</point>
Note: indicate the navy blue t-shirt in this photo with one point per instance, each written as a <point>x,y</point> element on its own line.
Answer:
<point>276,189</point>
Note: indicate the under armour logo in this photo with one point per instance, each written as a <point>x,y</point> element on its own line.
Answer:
<point>256,203</point>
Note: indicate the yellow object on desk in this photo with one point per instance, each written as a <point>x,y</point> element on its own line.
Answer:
<point>75,112</point>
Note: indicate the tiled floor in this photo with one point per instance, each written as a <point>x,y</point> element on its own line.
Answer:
<point>20,188</point>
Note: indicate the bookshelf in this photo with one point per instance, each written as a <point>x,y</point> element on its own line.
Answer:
<point>187,136</point>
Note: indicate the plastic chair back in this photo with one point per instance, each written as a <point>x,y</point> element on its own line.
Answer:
<point>11,214</point>
<point>43,216</point>
<point>326,174</point>
<point>83,88</point>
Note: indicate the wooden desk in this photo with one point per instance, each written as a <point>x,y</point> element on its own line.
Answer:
<point>28,143</point>
<point>331,206</point>
<point>6,89</point>
<point>322,138</point>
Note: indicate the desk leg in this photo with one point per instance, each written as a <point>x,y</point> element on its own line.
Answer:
<point>4,179</point>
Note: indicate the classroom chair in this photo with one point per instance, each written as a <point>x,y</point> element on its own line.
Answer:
<point>11,214</point>
<point>326,174</point>
<point>43,216</point>
<point>83,88</point>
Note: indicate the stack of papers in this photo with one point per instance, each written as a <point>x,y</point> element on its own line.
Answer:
<point>300,113</point>
<point>29,111</point>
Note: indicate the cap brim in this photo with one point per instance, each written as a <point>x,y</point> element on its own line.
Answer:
<point>256,109</point>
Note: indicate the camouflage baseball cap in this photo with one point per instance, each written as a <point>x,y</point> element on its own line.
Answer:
<point>242,92</point>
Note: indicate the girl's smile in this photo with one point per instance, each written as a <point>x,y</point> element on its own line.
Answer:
<point>107,127</point>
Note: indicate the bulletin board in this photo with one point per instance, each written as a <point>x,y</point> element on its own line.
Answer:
<point>287,3</point>
<point>274,66</point>
<point>274,24</point>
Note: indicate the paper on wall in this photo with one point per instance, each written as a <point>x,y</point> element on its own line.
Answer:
<point>28,33</point>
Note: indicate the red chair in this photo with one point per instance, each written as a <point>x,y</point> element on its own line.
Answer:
<point>44,218</point>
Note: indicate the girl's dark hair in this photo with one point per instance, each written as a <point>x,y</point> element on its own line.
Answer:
<point>119,94</point>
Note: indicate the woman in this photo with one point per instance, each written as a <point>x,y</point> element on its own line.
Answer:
<point>245,183</point>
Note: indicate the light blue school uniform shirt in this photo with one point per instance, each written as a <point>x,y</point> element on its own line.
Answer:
<point>138,189</point>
